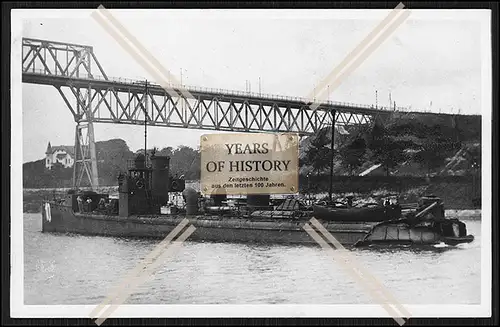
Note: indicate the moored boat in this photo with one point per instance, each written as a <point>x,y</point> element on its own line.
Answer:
<point>144,192</point>
<point>448,231</point>
<point>423,227</point>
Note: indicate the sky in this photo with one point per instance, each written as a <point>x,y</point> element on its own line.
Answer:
<point>430,63</point>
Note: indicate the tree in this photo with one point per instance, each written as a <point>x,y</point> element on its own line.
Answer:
<point>185,161</point>
<point>318,155</point>
<point>390,155</point>
<point>112,157</point>
<point>384,149</point>
<point>165,152</point>
<point>431,155</point>
<point>352,155</point>
<point>473,154</point>
<point>376,136</point>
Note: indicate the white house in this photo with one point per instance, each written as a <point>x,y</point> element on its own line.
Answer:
<point>63,154</point>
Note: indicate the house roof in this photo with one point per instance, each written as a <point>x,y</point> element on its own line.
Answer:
<point>66,148</point>
<point>61,156</point>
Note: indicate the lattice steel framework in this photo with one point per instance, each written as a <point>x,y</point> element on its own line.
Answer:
<point>51,59</point>
<point>92,97</point>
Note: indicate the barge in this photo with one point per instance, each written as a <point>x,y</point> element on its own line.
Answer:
<point>140,211</point>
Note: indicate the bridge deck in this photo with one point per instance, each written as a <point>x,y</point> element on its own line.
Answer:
<point>137,86</point>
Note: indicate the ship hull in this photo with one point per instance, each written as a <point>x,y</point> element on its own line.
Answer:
<point>57,218</point>
<point>60,218</point>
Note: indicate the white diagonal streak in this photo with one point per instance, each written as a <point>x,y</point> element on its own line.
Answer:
<point>362,276</point>
<point>146,275</point>
<point>360,53</point>
<point>142,49</point>
<point>372,278</point>
<point>133,273</point>
<point>356,51</point>
<point>140,53</point>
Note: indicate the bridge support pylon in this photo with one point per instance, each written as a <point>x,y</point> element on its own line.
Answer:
<point>85,150</point>
<point>85,157</point>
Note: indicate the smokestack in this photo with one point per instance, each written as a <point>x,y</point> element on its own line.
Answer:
<point>160,176</point>
<point>123,202</point>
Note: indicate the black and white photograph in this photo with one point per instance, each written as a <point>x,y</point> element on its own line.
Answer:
<point>251,163</point>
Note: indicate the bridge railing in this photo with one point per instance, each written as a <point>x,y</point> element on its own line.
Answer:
<point>221,91</point>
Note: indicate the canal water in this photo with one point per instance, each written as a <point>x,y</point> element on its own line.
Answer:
<point>78,270</point>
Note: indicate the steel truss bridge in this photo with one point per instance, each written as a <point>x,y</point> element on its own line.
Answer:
<point>94,97</point>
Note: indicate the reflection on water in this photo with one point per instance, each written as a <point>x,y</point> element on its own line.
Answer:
<point>75,269</point>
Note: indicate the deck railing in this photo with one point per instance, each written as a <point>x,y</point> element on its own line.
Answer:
<point>222,91</point>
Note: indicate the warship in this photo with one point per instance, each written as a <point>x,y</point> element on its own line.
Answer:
<point>142,209</point>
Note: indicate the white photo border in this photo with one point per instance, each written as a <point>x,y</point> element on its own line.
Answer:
<point>20,310</point>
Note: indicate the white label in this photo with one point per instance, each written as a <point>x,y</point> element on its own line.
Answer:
<point>47,212</point>
<point>249,163</point>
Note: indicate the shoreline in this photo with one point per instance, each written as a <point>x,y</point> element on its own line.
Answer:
<point>465,214</point>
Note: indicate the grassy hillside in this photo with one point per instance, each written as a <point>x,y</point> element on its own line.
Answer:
<point>423,144</point>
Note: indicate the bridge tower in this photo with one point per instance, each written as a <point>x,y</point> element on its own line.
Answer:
<point>85,151</point>
<point>65,66</point>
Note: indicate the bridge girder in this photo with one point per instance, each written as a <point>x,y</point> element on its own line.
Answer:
<point>59,59</point>
<point>122,102</point>
<point>93,97</point>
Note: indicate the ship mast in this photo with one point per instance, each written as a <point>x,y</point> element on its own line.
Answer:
<point>145,122</point>
<point>331,156</point>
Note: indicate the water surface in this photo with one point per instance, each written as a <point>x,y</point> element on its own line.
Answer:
<point>75,269</point>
